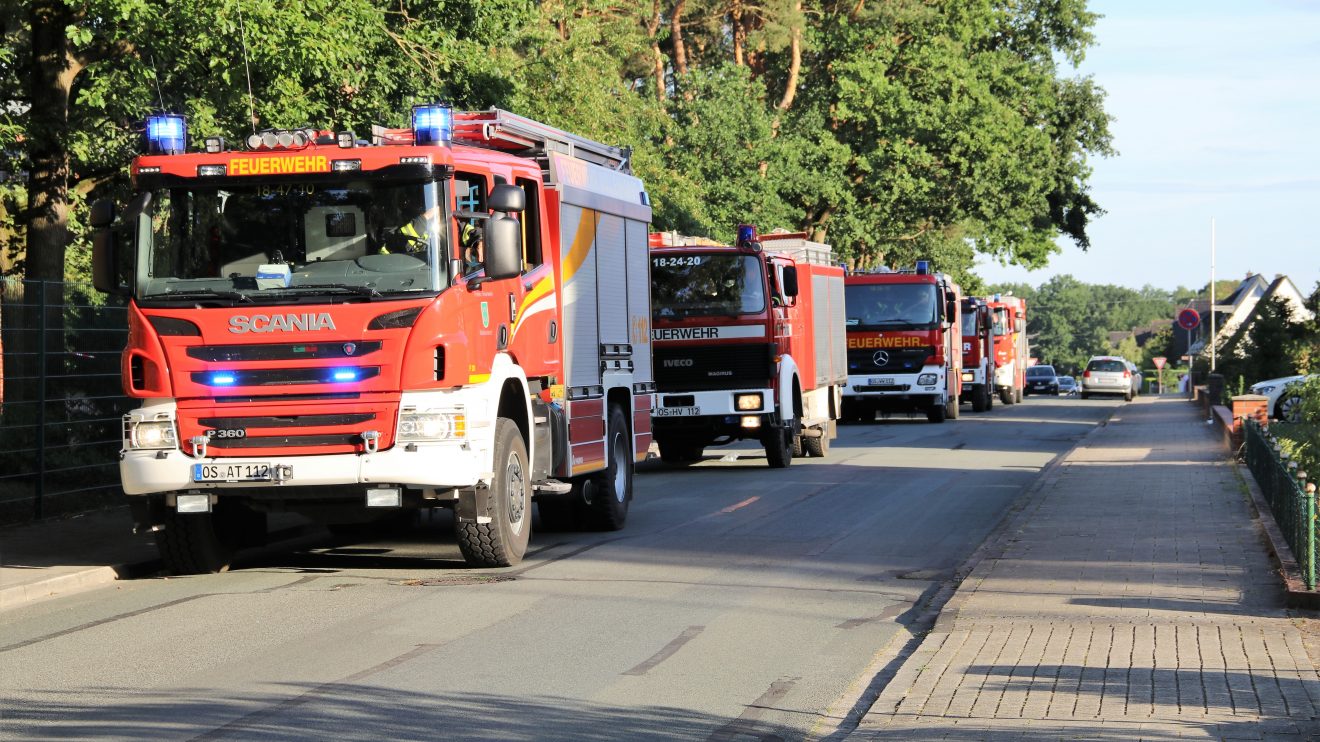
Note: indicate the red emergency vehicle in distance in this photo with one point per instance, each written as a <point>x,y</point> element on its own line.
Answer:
<point>904,344</point>
<point>315,327</point>
<point>748,344</point>
<point>978,345</point>
<point>1011,353</point>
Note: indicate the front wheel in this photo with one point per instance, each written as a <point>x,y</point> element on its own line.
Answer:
<point>981,399</point>
<point>1289,409</point>
<point>205,543</point>
<point>503,541</point>
<point>778,447</point>
<point>1006,396</point>
<point>678,453</point>
<point>936,413</point>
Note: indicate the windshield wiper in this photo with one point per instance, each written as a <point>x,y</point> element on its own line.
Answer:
<point>349,287</point>
<point>202,293</point>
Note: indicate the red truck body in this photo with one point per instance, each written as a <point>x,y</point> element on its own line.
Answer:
<point>295,348</point>
<point>904,344</point>
<point>748,344</point>
<point>1012,356</point>
<point>978,344</point>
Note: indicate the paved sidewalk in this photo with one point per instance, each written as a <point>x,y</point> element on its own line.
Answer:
<point>1132,598</point>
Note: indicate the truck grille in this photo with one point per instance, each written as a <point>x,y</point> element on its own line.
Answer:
<point>898,361</point>
<point>709,367</point>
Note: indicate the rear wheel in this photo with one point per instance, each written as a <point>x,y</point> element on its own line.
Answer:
<point>611,490</point>
<point>503,541</point>
<point>1127,397</point>
<point>1289,408</point>
<point>819,445</point>
<point>1006,396</point>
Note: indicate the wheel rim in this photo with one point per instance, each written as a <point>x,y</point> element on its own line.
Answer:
<point>1290,409</point>
<point>513,477</point>
<point>620,469</point>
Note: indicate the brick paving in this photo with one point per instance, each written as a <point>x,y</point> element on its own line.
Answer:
<point>1133,599</point>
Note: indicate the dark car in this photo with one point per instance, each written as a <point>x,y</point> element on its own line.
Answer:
<point>1041,379</point>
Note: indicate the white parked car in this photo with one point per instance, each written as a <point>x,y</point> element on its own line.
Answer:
<point>1282,405</point>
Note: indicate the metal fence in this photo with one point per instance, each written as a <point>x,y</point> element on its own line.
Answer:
<point>1290,495</point>
<point>62,403</point>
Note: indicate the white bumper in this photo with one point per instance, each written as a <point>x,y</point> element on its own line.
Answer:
<point>973,375</point>
<point>718,403</point>
<point>895,385</point>
<point>1005,376</point>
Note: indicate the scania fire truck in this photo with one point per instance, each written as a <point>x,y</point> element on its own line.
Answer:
<point>978,349</point>
<point>904,343</point>
<point>455,314</point>
<point>749,343</point>
<point>1011,353</point>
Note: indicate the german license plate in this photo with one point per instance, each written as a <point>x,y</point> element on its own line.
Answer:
<point>881,381</point>
<point>676,411</point>
<point>240,471</point>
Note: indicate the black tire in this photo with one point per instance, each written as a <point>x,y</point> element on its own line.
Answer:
<point>205,543</point>
<point>1127,397</point>
<point>1289,408</point>
<point>981,398</point>
<point>818,446</point>
<point>778,444</point>
<point>611,489</point>
<point>1006,396</point>
<point>989,397</point>
<point>503,541</point>
<point>1018,394</point>
<point>937,413</point>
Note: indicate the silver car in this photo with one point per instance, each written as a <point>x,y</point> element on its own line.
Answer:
<point>1107,375</point>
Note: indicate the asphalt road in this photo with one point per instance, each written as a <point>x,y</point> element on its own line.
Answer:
<point>740,603</point>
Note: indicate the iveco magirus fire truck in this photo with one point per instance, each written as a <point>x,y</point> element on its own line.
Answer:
<point>748,344</point>
<point>455,314</point>
<point>978,348</point>
<point>904,344</point>
<point>1011,352</point>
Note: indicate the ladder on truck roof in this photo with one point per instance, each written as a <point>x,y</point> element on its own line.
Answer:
<point>507,131</point>
<point>795,245</point>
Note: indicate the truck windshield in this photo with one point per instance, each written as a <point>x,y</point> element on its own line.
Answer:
<point>969,317</point>
<point>879,306</point>
<point>1001,321</point>
<point>273,242</point>
<point>703,285</point>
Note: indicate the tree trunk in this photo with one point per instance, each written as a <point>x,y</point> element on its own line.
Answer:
<point>739,32</point>
<point>658,57</point>
<point>50,80</point>
<point>676,30</point>
<point>794,60</point>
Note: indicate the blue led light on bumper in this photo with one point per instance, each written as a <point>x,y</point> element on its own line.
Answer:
<point>167,134</point>
<point>344,374</point>
<point>223,379</point>
<point>432,124</point>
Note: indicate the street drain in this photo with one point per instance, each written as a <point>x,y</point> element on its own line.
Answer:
<point>456,580</point>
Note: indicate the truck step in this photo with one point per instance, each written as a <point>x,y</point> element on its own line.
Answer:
<point>552,487</point>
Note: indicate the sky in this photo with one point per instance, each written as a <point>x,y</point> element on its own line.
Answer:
<point>1216,115</point>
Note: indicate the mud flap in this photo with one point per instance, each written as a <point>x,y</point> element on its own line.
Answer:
<point>473,505</point>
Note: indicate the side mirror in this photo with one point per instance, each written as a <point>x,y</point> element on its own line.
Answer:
<point>507,197</point>
<point>105,257</point>
<point>503,239</point>
<point>103,213</point>
<point>1021,325</point>
<point>950,308</point>
<point>790,281</point>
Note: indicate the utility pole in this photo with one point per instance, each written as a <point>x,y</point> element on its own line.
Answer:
<point>1212,294</point>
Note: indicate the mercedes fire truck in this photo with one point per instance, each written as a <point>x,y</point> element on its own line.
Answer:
<point>749,343</point>
<point>1012,355</point>
<point>904,344</point>
<point>455,314</point>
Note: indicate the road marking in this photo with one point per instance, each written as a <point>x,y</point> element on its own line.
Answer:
<point>667,651</point>
<point>742,504</point>
<point>749,723</point>
<point>104,621</point>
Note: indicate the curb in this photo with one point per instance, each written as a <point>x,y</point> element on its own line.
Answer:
<point>1295,593</point>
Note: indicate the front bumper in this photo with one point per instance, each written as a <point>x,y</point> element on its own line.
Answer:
<point>710,413</point>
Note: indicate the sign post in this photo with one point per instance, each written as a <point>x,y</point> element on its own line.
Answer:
<point>1159,362</point>
<point>1189,319</point>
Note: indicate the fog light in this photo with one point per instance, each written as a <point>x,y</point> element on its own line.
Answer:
<point>193,503</point>
<point>751,421</point>
<point>927,379</point>
<point>384,497</point>
<point>747,401</point>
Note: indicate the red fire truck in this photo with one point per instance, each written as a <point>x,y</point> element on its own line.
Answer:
<point>904,344</point>
<point>748,344</point>
<point>455,314</point>
<point>978,347</point>
<point>1011,353</point>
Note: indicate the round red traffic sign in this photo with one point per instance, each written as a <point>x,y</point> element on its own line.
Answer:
<point>1188,319</point>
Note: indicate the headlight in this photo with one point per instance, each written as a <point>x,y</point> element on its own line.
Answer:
<point>747,401</point>
<point>432,425</point>
<point>926,379</point>
<point>969,376</point>
<point>1263,389</point>
<point>152,435</point>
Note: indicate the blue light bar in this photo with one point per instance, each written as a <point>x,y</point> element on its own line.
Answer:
<point>167,134</point>
<point>746,233</point>
<point>345,374</point>
<point>223,379</point>
<point>923,267</point>
<point>432,124</point>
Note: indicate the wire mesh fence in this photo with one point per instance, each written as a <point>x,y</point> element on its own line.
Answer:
<point>62,403</point>
<point>1290,496</point>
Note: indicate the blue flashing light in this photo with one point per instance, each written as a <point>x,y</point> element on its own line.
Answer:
<point>345,374</point>
<point>167,134</point>
<point>433,124</point>
<point>923,267</point>
<point>223,379</point>
<point>746,233</point>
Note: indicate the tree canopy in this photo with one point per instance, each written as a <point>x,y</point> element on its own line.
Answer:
<point>893,129</point>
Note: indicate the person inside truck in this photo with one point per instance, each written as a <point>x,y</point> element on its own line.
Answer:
<point>469,241</point>
<point>413,235</point>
